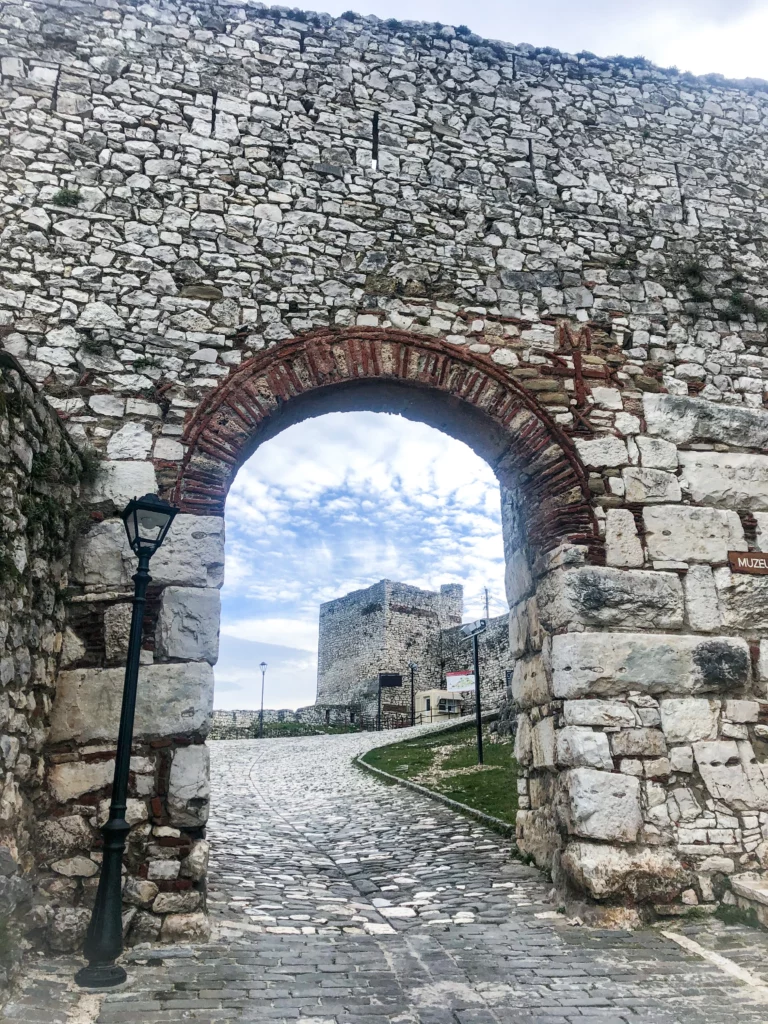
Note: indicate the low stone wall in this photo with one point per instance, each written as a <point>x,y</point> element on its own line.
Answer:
<point>233,724</point>
<point>40,473</point>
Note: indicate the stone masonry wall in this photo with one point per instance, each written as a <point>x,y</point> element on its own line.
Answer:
<point>493,655</point>
<point>186,186</point>
<point>382,629</point>
<point>40,474</point>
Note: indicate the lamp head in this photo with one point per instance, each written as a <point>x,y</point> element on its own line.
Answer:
<point>263,666</point>
<point>413,666</point>
<point>147,521</point>
<point>471,629</point>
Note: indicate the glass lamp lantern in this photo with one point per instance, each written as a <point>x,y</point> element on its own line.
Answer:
<point>147,521</point>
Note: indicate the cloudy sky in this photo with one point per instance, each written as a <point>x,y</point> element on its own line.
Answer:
<point>702,36</point>
<point>332,505</point>
<point>339,502</point>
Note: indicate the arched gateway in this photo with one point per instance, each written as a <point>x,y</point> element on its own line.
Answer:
<point>557,259</point>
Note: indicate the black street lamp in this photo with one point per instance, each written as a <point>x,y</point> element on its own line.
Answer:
<point>147,521</point>
<point>471,632</point>
<point>263,667</point>
<point>414,668</point>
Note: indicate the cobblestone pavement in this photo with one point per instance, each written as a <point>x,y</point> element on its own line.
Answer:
<point>339,900</point>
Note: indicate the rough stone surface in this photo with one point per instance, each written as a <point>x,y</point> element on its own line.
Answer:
<point>188,627</point>
<point>622,544</point>
<point>692,534</point>
<point>682,420</point>
<point>581,747</point>
<point>188,786</point>
<point>726,479</point>
<point>87,705</point>
<point>650,873</point>
<point>689,719</point>
<point>600,805</point>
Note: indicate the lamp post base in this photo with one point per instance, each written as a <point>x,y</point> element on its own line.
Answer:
<point>100,976</point>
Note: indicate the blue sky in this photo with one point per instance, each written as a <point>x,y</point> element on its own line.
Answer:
<point>332,505</point>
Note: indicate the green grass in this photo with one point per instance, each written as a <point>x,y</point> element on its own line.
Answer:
<point>493,791</point>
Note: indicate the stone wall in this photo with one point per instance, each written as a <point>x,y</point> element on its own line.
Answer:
<point>383,628</point>
<point>40,474</point>
<point>493,656</point>
<point>558,258</point>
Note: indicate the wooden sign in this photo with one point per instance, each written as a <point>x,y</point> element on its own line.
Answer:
<point>754,562</point>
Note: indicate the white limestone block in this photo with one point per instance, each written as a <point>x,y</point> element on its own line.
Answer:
<point>741,710</point>
<point>686,533</point>
<point>117,629</point>
<point>106,405</point>
<point>743,600</point>
<point>610,664</point>
<point>523,740</point>
<point>701,604</point>
<point>188,626</point>
<point>731,773</point>
<point>607,398</point>
<point>655,453</point>
<point>681,759</point>
<point>189,787</point>
<point>99,314</point>
<point>74,779</point>
<point>643,873</point>
<point>604,596</point>
<point>578,747</point>
<point>172,699</point>
<point>602,452</point>
<point>602,805</point>
<point>688,719</point>
<point>132,441</point>
<point>681,420</point>
<point>517,576</point>
<point>120,481</point>
<point>726,479</point>
<point>650,485</point>
<point>612,714</point>
<point>102,557</point>
<point>622,544</point>
<point>529,682</point>
<point>192,554</point>
<point>543,743</point>
<point>169,449</point>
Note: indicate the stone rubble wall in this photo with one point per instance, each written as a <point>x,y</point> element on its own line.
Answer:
<point>187,185</point>
<point>383,628</point>
<point>40,476</point>
<point>227,725</point>
<point>493,656</point>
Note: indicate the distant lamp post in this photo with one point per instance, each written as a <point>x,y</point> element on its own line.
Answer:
<point>414,669</point>
<point>147,521</point>
<point>472,631</point>
<point>263,667</point>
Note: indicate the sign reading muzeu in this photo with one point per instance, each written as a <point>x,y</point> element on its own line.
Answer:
<point>749,561</point>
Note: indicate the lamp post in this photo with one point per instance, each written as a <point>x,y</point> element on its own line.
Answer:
<point>471,632</point>
<point>147,521</point>
<point>263,667</point>
<point>414,668</point>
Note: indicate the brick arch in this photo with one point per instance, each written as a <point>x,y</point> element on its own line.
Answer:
<point>464,393</point>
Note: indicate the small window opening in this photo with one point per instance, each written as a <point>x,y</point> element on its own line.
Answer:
<point>327,717</point>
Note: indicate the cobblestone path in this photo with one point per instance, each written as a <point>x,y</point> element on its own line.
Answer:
<point>339,900</point>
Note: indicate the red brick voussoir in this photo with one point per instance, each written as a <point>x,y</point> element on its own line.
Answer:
<point>540,461</point>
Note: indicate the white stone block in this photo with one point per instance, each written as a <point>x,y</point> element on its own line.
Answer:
<point>582,747</point>
<point>701,604</point>
<point>602,805</point>
<point>543,743</point>
<point>643,873</point>
<point>117,629</point>
<point>741,710</point>
<point>192,554</point>
<point>688,719</point>
<point>655,453</point>
<point>604,596</point>
<point>602,452</point>
<point>188,626</point>
<point>73,779</point>
<point>612,714</point>
<point>530,685</point>
<point>107,405</point>
<point>683,532</point>
<point>607,398</point>
<point>611,664</point>
<point>172,699</point>
<point>742,599</point>
<point>131,441</point>
<point>681,759</point>
<point>189,786</point>
<point>119,482</point>
<point>99,314</point>
<point>622,544</point>
<point>650,485</point>
<point>168,449</point>
<point>731,773</point>
<point>681,420</point>
<point>726,479</point>
<point>102,557</point>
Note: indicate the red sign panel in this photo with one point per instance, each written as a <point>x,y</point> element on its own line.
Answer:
<point>754,562</point>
